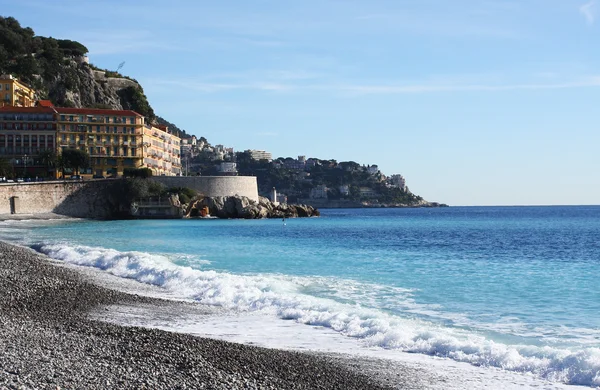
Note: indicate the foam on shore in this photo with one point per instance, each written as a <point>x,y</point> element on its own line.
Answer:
<point>263,298</point>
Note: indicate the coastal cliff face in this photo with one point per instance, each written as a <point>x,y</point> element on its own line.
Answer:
<point>59,70</point>
<point>82,86</point>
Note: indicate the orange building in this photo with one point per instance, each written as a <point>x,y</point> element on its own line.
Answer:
<point>113,138</point>
<point>15,93</point>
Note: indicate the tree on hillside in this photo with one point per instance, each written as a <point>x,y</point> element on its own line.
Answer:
<point>75,159</point>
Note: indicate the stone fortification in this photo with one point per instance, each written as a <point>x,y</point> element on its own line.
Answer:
<point>213,186</point>
<point>89,199</point>
<point>34,198</point>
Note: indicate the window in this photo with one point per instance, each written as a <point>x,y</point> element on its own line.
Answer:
<point>97,129</point>
<point>70,118</point>
<point>132,121</point>
<point>50,140</point>
<point>72,137</point>
<point>133,150</point>
<point>115,129</point>
<point>64,137</point>
<point>62,118</point>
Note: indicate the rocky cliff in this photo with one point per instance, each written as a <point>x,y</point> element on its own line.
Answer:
<point>243,207</point>
<point>59,70</point>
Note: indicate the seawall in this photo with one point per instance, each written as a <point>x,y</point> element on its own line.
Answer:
<point>87,200</point>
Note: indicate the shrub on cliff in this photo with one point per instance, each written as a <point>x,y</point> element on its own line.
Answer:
<point>185,194</point>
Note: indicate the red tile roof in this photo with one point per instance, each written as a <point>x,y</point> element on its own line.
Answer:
<point>45,103</point>
<point>95,111</point>
<point>33,110</point>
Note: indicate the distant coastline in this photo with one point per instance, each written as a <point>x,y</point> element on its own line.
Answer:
<point>352,204</point>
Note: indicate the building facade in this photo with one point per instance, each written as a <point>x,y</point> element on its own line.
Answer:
<point>162,151</point>
<point>15,93</point>
<point>260,155</point>
<point>26,132</point>
<point>112,138</point>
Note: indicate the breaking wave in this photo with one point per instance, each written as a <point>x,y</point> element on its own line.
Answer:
<point>344,309</point>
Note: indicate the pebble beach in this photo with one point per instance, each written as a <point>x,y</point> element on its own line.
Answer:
<point>48,341</point>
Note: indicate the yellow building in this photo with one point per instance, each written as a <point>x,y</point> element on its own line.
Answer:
<point>113,138</point>
<point>161,151</point>
<point>15,93</point>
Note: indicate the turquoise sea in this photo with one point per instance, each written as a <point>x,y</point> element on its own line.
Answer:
<point>517,288</point>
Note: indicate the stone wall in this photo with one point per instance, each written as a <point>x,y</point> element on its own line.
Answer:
<point>86,200</point>
<point>34,198</point>
<point>213,186</point>
<point>74,199</point>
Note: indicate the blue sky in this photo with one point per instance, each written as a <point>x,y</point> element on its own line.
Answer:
<point>483,102</point>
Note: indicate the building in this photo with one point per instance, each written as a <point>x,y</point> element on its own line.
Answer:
<point>113,138</point>
<point>398,181</point>
<point>319,192</point>
<point>227,168</point>
<point>344,190</point>
<point>366,192</point>
<point>260,155</point>
<point>26,132</point>
<point>372,169</point>
<point>161,151</point>
<point>15,93</point>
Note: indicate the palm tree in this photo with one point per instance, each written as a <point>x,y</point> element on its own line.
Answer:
<point>49,159</point>
<point>6,168</point>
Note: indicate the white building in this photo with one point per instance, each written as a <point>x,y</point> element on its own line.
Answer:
<point>227,167</point>
<point>344,190</point>
<point>373,169</point>
<point>260,155</point>
<point>319,192</point>
<point>398,181</point>
<point>366,192</point>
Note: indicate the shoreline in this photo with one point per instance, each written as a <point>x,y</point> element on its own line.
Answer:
<point>76,308</point>
<point>48,341</point>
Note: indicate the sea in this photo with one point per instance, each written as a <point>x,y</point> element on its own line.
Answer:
<point>508,292</point>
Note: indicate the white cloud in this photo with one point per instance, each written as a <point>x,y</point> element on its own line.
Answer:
<point>588,10</point>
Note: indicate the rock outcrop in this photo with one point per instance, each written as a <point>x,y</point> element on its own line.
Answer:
<point>243,207</point>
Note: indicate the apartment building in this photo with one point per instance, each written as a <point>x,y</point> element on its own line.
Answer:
<point>113,138</point>
<point>162,151</point>
<point>25,132</point>
<point>260,155</point>
<point>15,93</point>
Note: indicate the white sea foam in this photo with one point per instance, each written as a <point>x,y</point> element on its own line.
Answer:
<point>289,298</point>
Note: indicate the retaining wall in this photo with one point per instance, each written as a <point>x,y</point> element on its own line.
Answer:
<point>86,200</point>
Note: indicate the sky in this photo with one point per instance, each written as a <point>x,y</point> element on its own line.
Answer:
<point>475,102</point>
